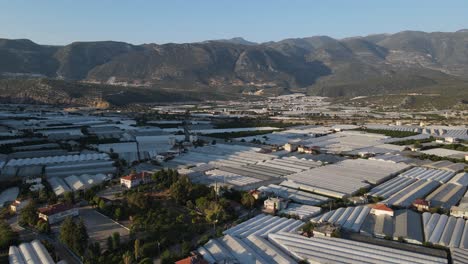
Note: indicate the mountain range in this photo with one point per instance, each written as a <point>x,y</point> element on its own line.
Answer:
<point>122,73</point>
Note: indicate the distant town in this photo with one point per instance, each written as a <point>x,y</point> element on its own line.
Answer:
<point>284,179</point>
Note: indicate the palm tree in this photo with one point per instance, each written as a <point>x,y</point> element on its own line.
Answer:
<point>137,249</point>
<point>127,258</point>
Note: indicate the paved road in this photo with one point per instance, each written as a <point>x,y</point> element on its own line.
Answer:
<point>100,227</point>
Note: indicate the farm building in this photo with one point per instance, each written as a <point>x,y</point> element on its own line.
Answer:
<point>420,173</point>
<point>75,183</point>
<point>248,242</point>
<point>460,179</point>
<point>78,168</point>
<point>391,187</point>
<point>33,252</point>
<point>446,196</point>
<point>462,209</point>
<point>57,212</point>
<point>380,226</point>
<point>57,159</point>
<point>337,250</point>
<point>350,218</point>
<point>445,231</point>
<point>406,196</point>
<point>459,256</point>
<point>297,196</point>
<point>345,178</point>
<point>408,227</point>
<point>303,212</point>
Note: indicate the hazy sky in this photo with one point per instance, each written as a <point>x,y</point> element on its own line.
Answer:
<point>139,21</point>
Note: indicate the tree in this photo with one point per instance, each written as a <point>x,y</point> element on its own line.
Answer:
<point>102,204</point>
<point>214,212</point>
<point>247,200</point>
<point>67,231</point>
<point>180,190</point>
<point>28,216</point>
<point>138,200</point>
<point>7,236</point>
<point>186,247</point>
<point>136,249</point>
<point>95,248</point>
<point>127,257</point>
<point>117,214</point>
<point>81,236</point>
<point>109,243</point>
<point>75,236</point>
<point>115,240</point>
<point>308,227</point>
<point>69,198</point>
<point>43,227</point>
<point>43,195</point>
<point>417,144</point>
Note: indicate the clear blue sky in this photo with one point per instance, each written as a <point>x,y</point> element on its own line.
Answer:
<point>140,21</point>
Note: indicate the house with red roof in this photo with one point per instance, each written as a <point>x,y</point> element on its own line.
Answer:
<point>421,205</point>
<point>193,259</point>
<point>135,179</point>
<point>381,209</point>
<point>57,212</point>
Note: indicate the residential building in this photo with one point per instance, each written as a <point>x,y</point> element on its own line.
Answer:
<point>256,194</point>
<point>459,211</point>
<point>452,140</point>
<point>421,205</point>
<point>135,179</point>
<point>290,147</point>
<point>381,209</point>
<point>274,204</point>
<point>325,230</point>
<point>195,258</point>
<point>18,204</point>
<point>305,149</point>
<point>57,212</point>
<point>357,200</point>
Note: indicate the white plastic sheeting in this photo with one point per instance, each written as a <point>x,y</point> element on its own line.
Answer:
<point>14,256</point>
<point>247,242</point>
<point>8,195</point>
<point>441,176</point>
<point>344,178</point>
<point>262,225</point>
<point>446,196</point>
<point>57,159</point>
<point>27,251</point>
<point>391,187</point>
<point>460,179</point>
<point>406,196</point>
<point>295,195</point>
<point>457,233</point>
<point>301,211</point>
<point>41,252</point>
<point>459,256</point>
<point>336,250</point>
<point>447,231</point>
<point>268,251</point>
<point>75,183</point>
<point>59,186</point>
<point>350,218</point>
